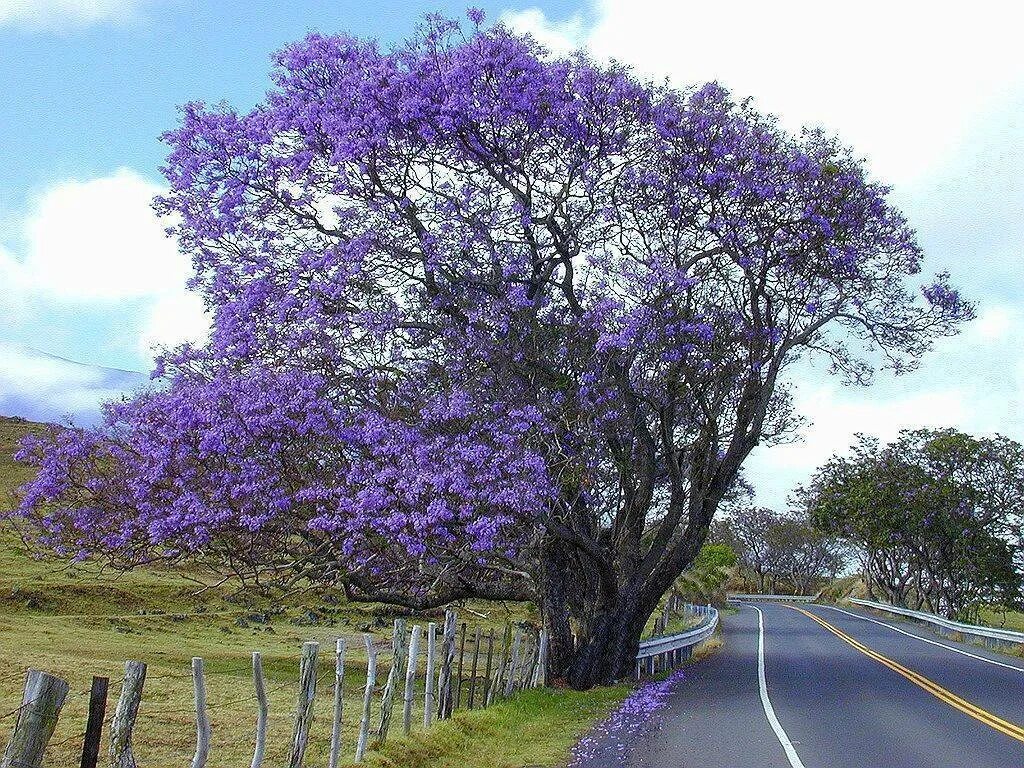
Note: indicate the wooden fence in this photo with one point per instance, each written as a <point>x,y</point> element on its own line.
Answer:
<point>463,668</point>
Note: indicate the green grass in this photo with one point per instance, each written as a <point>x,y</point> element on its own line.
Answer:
<point>81,620</point>
<point>543,725</point>
<point>1013,620</point>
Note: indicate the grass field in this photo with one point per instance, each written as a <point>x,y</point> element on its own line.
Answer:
<point>81,621</point>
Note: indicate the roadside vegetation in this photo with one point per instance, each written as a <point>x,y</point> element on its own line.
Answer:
<point>779,552</point>
<point>935,518</point>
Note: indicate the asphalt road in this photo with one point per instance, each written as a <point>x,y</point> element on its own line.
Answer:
<point>850,693</point>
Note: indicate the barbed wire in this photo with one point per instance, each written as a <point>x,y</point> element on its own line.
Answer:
<point>68,740</point>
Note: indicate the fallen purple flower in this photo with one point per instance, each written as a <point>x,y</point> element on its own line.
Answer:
<point>616,730</point>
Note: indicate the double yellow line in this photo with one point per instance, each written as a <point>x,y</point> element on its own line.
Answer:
<point>1003,726</point>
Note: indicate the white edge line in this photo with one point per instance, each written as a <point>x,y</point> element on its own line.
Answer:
<point>769,710</point>
<point>952,648</point>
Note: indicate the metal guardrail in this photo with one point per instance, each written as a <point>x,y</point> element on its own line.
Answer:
<point>989,633</point>
<point>739,598</point>
<point>669,650</point>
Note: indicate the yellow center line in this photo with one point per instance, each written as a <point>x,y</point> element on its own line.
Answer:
<point>993,721</point>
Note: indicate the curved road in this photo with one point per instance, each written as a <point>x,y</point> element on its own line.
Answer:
<point>841,689</point>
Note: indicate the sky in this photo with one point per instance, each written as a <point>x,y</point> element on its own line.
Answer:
<point>930,93</point>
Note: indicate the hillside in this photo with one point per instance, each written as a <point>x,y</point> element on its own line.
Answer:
<point>80,620</point>
<point>12,473</point>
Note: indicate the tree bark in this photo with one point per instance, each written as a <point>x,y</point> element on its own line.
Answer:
<point>608,653</point>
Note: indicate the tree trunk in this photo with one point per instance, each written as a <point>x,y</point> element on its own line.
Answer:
<point>607,652</point>
<point>556,578</point>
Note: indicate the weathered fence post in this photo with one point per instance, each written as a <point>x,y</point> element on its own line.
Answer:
<point>339,680</point>
<point>262,711</point>
<point>37,717</point>
<point>94,726</point>
<point>513,664</point>
<point>410,678</point>
<point>473,668</point>
<point>499,673</point>
<point>371,681</point>
<point>395,677</point>
<point>202,753</point>
<point>124,715</point>
<point>485,694</point>
<point>529,659</point>
<point>304,704</point>
<point>428,682</point>
<point>539,677</point>
<point>457,701</point>
<point>444,682</point>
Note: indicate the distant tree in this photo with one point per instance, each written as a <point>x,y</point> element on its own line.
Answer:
<point>932,515</point>
<point>753,528</point>
<point>486,323</point>
<point>806,556</point>
<point>715,556</point>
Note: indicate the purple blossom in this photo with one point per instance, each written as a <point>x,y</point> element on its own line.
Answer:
<point>455,285</point>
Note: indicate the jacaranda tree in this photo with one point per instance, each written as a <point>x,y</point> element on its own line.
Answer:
<point>486,323</point>
<point>932,515</point>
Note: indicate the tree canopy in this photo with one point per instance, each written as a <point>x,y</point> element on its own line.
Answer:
<point>934,515</point>
<point>486,322</point>
<point>781,552</point>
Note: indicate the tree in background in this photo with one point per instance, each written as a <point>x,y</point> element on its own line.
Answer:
<point>751,528</point>
<point>486,323</point>
<point>782,552</point>
<point>933,516</point>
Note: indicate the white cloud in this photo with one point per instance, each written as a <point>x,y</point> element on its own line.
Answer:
<point>560,37</point>
<point>836,416</point>
<point>171,319</point>
<point>98,245</point>
<point>994,323</point>
<point>99,240</point>
<point>60,14</point>
<point>900,81</point>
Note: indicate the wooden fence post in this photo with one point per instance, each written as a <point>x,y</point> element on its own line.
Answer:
<point>457,701</point>
<point>304,704</point>
<point>528,653</point>
<point>540,670</point>
<point>444,682</point>
<point>202,753</point>
<point>428,682</point>
<point>371,681</point>
<point>41,703</point>
<point>485,694</point>
<point>262,711</point>
<point>124,715</point>
<point>472,672</point>
<point>339,680</point>
<point>395,678</point>
<point>410,678</point>
<point>94,726</point>
<point>514,663</point>
<point>499,673</point>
